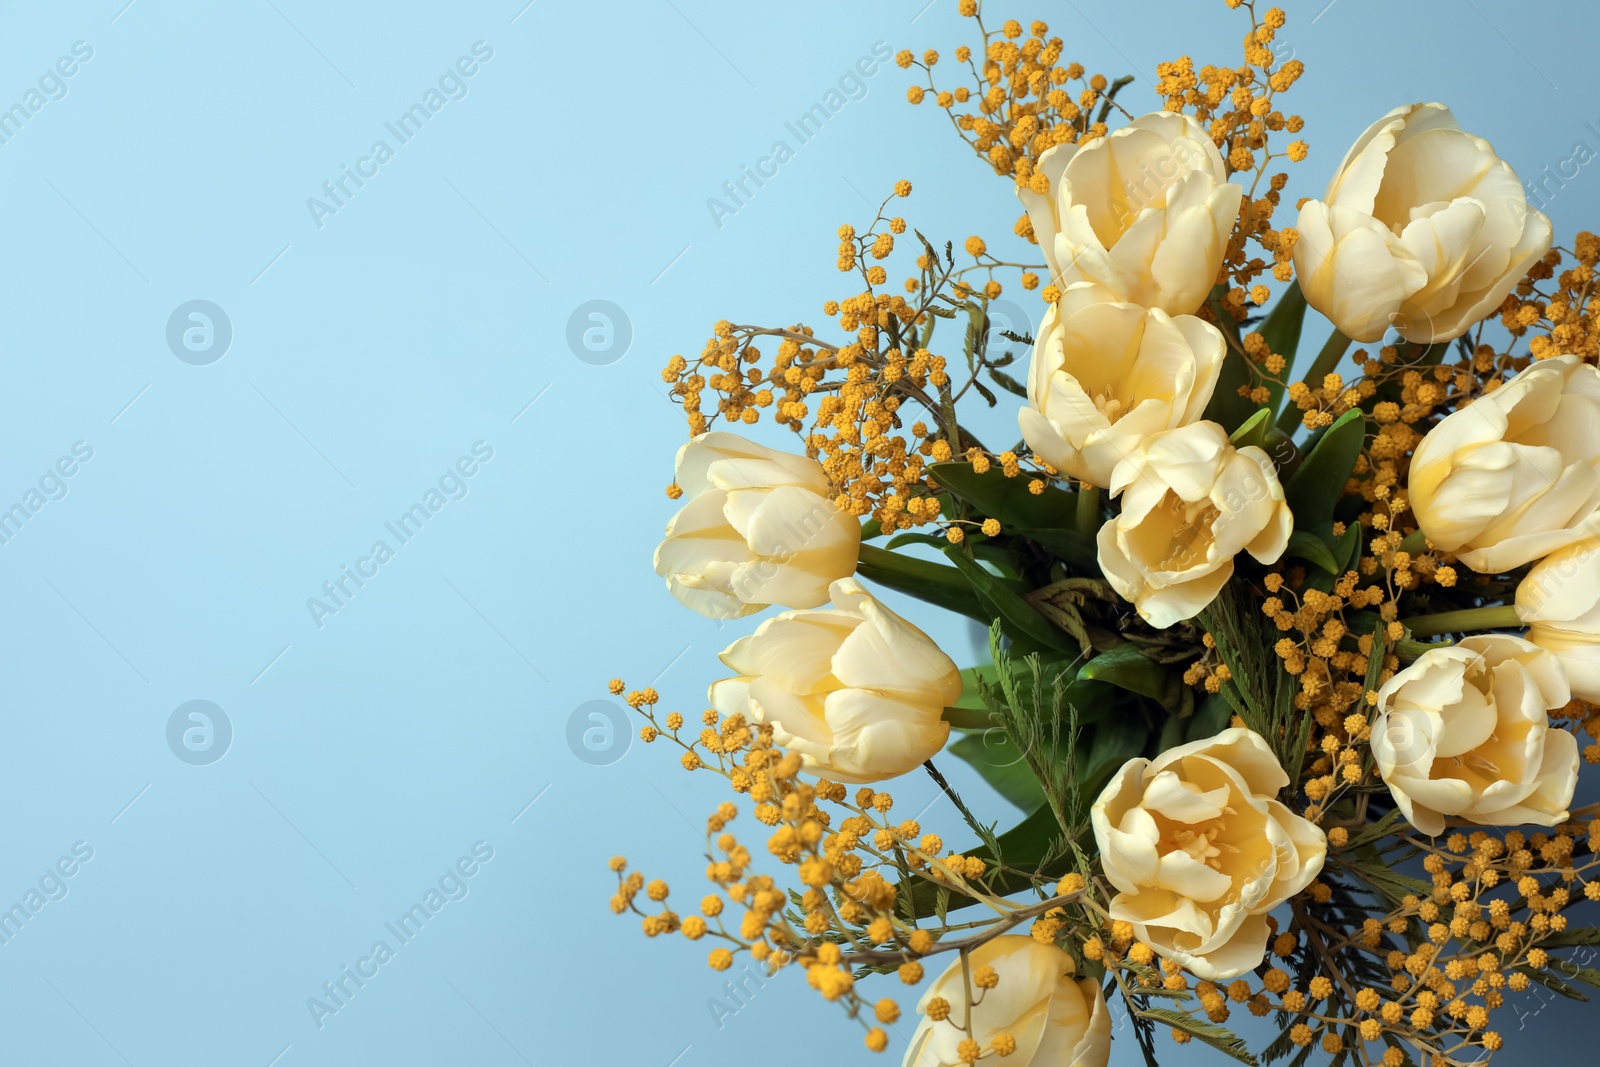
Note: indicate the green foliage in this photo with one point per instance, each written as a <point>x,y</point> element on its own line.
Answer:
<point>1281,332</point>
<point>1227,406</point>
<point>941,586</point>
<point>996,757</point>
<point>1019,618</point>
<point>1044,518</point>
<point>1316,485</point>
<point>1218,1037</point>
<point>1312,549</point>
<point>1126,667</point>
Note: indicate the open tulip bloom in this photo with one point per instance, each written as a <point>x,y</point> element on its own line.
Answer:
<point>1294,652</point>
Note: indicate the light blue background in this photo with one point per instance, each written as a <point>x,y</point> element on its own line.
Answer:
<point>367,355</point>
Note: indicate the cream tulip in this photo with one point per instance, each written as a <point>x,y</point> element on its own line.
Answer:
<point>1055,1019</point>
<point>1190,503</point>
<point>1105,377</point>
<point>1463,735</point>
<point>1200,850</point>
<point>1145,213</point>
<point>855,690</point>
<point>1422,228</point>
<point>1559,602</point>
<point>759,527</point>
<point>1515,475</point>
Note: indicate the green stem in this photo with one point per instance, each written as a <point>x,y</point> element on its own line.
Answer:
<point>1411,651</point>
<point>1332,352</point>
<point>1087,521</point>
<point>970,718</point>
<point>1498,617</point>
<point>933,582</point>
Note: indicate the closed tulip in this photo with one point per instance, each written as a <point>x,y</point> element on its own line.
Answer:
<point>1144,213</point>
<point>758,527</point>
<point>1516,475</point>
<point>1048,1017</point>
<point>855,690</point>
<point>1106,377</point>
<point>1463,735</point>
<point>1423,228</point>
<point>1559,602</point>
<point>1200,851</point>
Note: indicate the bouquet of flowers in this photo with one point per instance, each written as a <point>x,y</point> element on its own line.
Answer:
<point>1286,649</point>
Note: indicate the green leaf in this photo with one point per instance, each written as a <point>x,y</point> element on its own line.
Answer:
<point>1210,719</point>
<point>1346,549</point>
<point>1006,499</point>
<point>1000,763</point>
<point>1375,872</point>
<point>1226,405</point>
<point>932,582</point>
<point>1312,549</point>
<point>1007,382</point>
<point>1571,937</point>
<point>1045,518</point>
<point>900,540</point>
<point>1318,483</point>
<point>1019,616</point>
<point>1281,331</point>
<point>1376,830</point>
<point>1253,431</point>
<point>1128,668</point>
<point>1587,975</point>
<point>1552,983</point>
<point>1116,740</point>
<point>1067,543</point>
<point>1219,1038</point>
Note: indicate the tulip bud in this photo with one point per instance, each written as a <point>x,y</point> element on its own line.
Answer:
<point>1516,475</point>
<point>1464,734</point>
<point>857,692</point>
<point>1037,1014</point>
<point>1422,228</point>
<point>1145,213</point>
<point>1559,601</point>
<point>759,527</point>
<point>1105,377</point>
